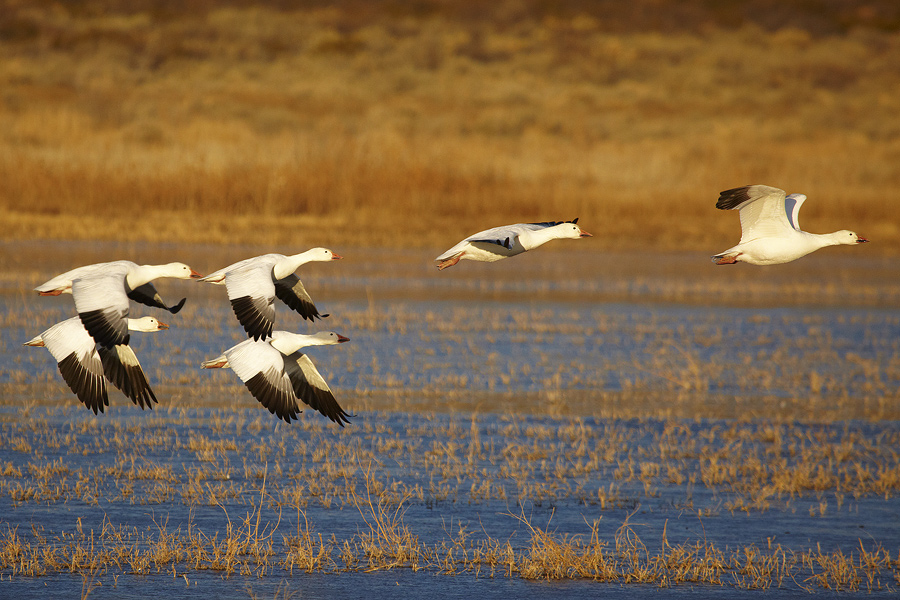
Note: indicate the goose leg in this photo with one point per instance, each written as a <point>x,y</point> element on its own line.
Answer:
<point>216,363</point>
<point>726,260</point>
<point>450,261</point>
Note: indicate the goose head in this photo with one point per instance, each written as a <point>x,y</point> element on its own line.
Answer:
<point>570,229</point>
<point>146,324</point>
<point>847,237</point>
<point>179,270</point>
<point>322,254</point>
<point>329,337</point>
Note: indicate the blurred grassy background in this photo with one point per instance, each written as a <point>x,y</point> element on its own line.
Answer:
<point>416,123</point>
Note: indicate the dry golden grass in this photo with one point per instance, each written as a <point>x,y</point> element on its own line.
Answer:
<point>376,125</point>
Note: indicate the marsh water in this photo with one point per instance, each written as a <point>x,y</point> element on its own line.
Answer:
<point>571,392</point>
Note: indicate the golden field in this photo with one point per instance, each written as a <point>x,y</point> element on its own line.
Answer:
<point>389,124</point>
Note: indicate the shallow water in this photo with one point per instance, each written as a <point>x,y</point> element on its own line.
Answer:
<point>251,447</point>
<point>542,366</point>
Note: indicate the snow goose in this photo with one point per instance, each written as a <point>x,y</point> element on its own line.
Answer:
<point>83,368</point>
<point>252,285</point>
<point>278,374</point>
<point>101,292</point>
<point>502,242</point>
<point>770,227</point>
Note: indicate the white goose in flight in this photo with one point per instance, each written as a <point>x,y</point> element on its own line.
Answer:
<point>502,242</point>
<point>253,284</point>
<point>278,374</point>
<point>101,292</point>
<point>770,227</point>
<point>83,368</point>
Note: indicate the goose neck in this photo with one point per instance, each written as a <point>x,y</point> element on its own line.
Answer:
<point>289,264</point>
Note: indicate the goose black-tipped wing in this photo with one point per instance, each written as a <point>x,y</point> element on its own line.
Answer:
<point>261,368</point>
<point>252,295</point>
<point>762,210</point>
<point>85,378</point>
<point>310,387</point>
<point>737,197</point>
<point>75,352</point>
<point>265,387</point>
<point>257,315</point>
<point>121,367</point>
<point>108,326</point>
<point>290,290</point>
<point>102,305</point>
<point>733,198</point>
<point>147,294</point>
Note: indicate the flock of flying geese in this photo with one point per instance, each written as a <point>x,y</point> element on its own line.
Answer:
<point>94,344</point>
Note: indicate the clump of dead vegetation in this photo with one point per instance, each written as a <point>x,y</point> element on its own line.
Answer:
<point>386,542</point>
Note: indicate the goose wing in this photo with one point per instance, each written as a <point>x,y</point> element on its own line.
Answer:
<point>290,290</point>
<point>261,368</point>
<point>102,305</point>
<point>63,280</point>
<point>498,240</point>
<point>544,225</point>
<point>311,387</point>
<point>75,352</point>
<point>147,294</point>
<point>792,209</point>
<point>121,367</point>
<point>762,209</point>
<point>252,294</point>
<point>506,240</point>
<point>495,245</point>
<point>506,235</point>
<point>221,274</point>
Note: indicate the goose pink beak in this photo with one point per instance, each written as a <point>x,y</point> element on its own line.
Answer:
<point>195,274</point>
<point>861,240</point>
<point>342,339</point>
<point>161,325</point>
<point>585,234</point>
<point>336,256</point>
